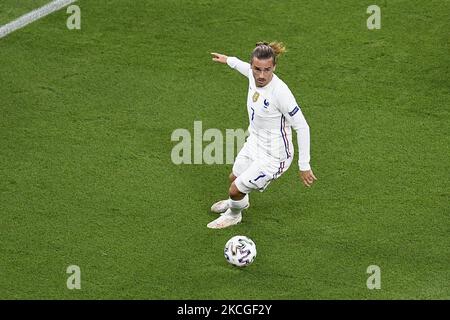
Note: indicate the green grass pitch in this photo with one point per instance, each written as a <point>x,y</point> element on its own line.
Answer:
<point>86,176</point>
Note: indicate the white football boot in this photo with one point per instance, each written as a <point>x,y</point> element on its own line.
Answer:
<point>222,206</point>
<point>225,220</point>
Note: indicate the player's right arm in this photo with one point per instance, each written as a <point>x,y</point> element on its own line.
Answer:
<point>290,109</point>
<point>233,62</point>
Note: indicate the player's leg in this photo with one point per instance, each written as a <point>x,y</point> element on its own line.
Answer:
<point>238,201</point>
<point>234,194</point>
<point>256,177</point>
<point>242,163</point>
<point>222,205</point>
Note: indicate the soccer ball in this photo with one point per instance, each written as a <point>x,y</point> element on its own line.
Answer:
<point>240,251</point>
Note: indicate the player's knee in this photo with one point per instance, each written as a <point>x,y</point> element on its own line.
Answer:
<point>232,177</point>
<point>234,192</point>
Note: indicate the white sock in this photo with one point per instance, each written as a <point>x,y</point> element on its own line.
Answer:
<point>236,206</point>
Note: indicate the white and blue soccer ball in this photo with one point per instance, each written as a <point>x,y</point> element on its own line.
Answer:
<point>240,251</point>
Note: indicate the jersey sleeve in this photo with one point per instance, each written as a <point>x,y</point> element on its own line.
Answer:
<point>241,66</point>
<point>289,107</point>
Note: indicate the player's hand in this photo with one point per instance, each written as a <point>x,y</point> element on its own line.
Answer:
<point>308,177</point>
<point>219,57</point>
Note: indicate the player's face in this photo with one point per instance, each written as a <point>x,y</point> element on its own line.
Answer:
<point>262,71</point>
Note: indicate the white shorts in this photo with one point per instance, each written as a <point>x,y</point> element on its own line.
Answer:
<point>255,173</point>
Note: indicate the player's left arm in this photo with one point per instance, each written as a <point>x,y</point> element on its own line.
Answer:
<point>291,110</point>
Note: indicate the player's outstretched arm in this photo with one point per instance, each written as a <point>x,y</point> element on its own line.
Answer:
<point>219,57</point>
<point>233,62</point>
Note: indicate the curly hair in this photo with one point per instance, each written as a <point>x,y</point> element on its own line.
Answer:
<point>265,50</point>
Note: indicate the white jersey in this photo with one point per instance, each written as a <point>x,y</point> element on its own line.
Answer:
<point>272,111</point>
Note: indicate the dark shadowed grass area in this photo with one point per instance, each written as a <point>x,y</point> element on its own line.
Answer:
<point>86,176</point>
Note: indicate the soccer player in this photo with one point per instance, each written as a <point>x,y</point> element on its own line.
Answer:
<point>268,151</point>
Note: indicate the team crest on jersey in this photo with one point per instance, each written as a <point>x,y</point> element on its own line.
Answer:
<point>255,96</point>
